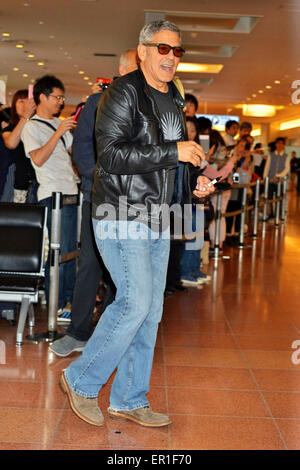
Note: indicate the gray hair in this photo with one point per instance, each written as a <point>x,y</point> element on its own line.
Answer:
<point>154,27</point>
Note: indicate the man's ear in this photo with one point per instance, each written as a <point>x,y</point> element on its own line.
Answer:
<point>141,51</point>
<point>43,98</point>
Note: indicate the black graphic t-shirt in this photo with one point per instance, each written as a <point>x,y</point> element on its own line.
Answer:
<point>172,128</point>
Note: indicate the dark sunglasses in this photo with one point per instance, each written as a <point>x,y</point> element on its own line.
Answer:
<point>164,49</point>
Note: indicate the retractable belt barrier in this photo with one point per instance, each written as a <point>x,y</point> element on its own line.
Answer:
<point>279,199</point>
<point>58,201</point>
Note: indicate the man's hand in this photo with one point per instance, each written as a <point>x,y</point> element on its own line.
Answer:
<point>96,88</point>
<point>66,125</point>
<point>190,152</point>
<point>202,188</point>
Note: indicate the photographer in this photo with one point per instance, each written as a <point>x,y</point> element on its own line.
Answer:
<point>244,171</point>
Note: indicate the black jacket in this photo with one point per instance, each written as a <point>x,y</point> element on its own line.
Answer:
<point>84,145</point>
<point>133,158</point>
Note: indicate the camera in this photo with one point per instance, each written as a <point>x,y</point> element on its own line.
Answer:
<point>103,82</point>
<point>236,178</point>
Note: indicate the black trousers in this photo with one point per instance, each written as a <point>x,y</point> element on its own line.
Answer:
<point>174,266</point>
<point>91,271</point>
<point>232,207</point>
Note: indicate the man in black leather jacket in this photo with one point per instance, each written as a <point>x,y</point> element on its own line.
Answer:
<point>142,156</point>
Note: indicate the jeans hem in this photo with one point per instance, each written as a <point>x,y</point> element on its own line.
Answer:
<point>79,392</point>
<point>138,407</point>
<point>77,337</point>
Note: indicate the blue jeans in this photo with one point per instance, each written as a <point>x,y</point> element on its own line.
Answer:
<point>125,335</point>
<point>67,271</point>
<point>190,262</point>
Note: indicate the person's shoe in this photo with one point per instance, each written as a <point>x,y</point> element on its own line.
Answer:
<point>203,277</point>
<point>143,416</point>
<point>64,314</point>
<point>169,292</point>
<point>179,288</point>
<point>190,281</point>
<point>66,345</point>
<point>85,408</point>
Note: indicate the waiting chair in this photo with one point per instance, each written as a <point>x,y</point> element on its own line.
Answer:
<point>22,239</point>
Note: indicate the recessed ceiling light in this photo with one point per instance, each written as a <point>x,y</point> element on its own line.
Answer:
<point>86,78</point>
<point>259,110</point>
<point>90,83</point>
<point>25,75</point>
<point>19,46</point>
<point>254,95</point>
<point>199,68</point>
<point>41,63</point>
<point>260,91</point>
<point>15,69</point>
<point>268,87</point>
<point>51,36</point>
<point>277,82</point>
<point>6,35</point>
<point>81,72</point>
<point>41,22</point>
<point>31,56</point>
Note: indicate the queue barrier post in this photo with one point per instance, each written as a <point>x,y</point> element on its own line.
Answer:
<point>266,191</point>
<point>217,225</point>
<point>243,216</point>
<point>277,204</point>
<point>55,249</point>
<point>256,207</point>
<point>284,198</point>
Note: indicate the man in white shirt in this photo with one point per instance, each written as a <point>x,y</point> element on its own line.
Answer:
<point>231,129</point>
<point>47,141</point>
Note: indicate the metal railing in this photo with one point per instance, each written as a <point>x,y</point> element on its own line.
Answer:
<point>279,198</point>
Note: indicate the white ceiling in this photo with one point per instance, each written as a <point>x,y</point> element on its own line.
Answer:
<point>65,34</point>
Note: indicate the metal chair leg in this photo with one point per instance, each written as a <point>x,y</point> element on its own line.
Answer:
<point>22,319</point>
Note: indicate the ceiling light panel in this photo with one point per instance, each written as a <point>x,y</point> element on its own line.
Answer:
<point>212,22</point>
<point>209,51</point>
<point>199,68</point>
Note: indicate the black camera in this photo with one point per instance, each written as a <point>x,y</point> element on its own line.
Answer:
<point>103,83</point>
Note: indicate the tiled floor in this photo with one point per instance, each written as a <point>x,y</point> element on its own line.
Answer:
<point>222,369</point>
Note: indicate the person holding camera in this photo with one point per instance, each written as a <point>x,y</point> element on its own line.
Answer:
<point>242,175</point>
<point>47,142</point>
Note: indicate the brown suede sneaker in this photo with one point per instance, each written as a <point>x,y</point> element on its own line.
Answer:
<point>143,416</point>
<point>85,408</point>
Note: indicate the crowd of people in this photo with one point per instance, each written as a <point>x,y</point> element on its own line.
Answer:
<point>141,139</point>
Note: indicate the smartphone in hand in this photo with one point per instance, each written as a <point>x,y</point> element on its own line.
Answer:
<point>204,142</point>
<point>77,114</point>
<point>30,91</point>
